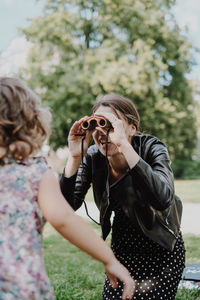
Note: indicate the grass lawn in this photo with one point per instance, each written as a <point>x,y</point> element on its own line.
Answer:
<point>188,190</point>
<point>75,276</point>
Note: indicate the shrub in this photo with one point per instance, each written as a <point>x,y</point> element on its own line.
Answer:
<point>186,169</point>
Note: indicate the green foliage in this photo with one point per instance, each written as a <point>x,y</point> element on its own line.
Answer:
<point>83,49</point>
<point>186,169</point>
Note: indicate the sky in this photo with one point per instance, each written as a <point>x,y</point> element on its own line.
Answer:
<point>18,13</point>
<point>14,14</point>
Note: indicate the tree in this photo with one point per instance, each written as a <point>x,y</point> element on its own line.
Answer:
<point>85,48</point>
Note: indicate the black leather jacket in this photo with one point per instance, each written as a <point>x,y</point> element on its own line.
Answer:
<point>145,192</point>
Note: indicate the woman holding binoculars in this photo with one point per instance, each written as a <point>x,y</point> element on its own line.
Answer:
<point>131,176</point>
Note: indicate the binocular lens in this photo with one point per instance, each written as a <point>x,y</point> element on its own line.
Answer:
<point>102,122</point>
<point>85,125</point>
<point>93,122</point>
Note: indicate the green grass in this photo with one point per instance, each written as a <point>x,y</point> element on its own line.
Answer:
<point>76,276</point>
<point>192,243</point>
<point>188,190</point>
<point>188,295</point>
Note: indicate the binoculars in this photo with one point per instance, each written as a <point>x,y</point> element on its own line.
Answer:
<point>94,121</point>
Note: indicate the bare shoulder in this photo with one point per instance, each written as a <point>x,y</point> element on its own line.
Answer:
<point>49,179</point>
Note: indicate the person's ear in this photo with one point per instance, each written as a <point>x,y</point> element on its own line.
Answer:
<point>132,129</point>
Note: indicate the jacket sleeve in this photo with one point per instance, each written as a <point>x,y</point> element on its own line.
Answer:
<point>75,188</point>
<point>153,178</point>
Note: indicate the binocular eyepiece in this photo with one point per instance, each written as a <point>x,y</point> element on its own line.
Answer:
<point>94,121</point>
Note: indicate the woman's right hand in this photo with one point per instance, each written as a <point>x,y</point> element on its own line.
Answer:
<point>76,135</point>
<point>115,270</point>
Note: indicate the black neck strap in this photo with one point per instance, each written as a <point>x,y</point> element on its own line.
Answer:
<point>108,174</point>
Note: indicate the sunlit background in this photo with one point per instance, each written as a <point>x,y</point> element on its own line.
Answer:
<point>17,13</point>
<point>165,113</point>
<point>14,48</point>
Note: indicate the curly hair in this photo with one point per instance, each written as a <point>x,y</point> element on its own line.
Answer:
<point>24,124</point>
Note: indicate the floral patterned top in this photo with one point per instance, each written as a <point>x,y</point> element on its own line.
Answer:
<point>22,270</point>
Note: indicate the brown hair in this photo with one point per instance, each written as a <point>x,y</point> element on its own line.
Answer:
<point>123,105</point>
<point>24,124</point>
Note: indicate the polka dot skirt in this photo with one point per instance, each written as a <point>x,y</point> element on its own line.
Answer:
<point>156,271</point>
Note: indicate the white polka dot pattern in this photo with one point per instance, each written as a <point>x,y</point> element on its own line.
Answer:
<point>157,272</point>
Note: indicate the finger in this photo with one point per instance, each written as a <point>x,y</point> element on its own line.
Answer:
<point>110,117</point>
<point>113,281</point>
<point>102,130</point>
<point>80,121</point>
<point>88,136</point>
<point>75,128</point>
<point>128,290</point>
